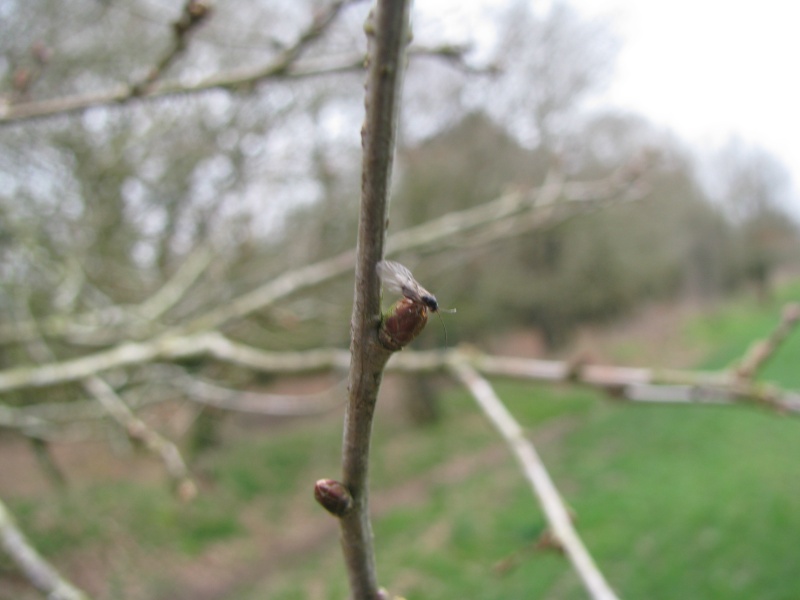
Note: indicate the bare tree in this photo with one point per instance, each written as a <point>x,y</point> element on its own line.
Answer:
<point>150,282</point>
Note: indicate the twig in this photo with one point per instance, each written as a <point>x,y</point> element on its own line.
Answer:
<point>173,347</point>
<point>387,31</point>
<point>16,418</point>
<point>194,13</point>
<point>176,287</point>
<point>135,427</point>
<point>138,429</point>
<point>36,569</point>
<point>761,351</point>
<point>279,68</point>
<point>536,473</point>
<point>282,405</point>
<point>245,78</point>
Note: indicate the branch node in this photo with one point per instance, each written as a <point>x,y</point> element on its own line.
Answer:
<point>187,490</point>
<point>574,367</point>
<point>548,541</point>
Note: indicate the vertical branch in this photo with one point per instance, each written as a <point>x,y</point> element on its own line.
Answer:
<point>36,569</point>
<point>387,31</point>
<point>543,486</point>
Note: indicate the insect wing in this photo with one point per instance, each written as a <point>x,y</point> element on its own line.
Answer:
<point>398,278</point>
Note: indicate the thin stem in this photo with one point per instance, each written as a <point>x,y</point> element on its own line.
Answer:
<point>763,350</point>
<point>536,473</point>
<point>36,569</point>
<point>387,30</point>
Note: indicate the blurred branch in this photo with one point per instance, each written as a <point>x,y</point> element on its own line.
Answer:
<point>138,430</point>
<point>17,418</point>
<point>554,192</point>
<point>286,66</point>
<point>175,289</point>
<point>629,383</point>
<point>762,350</point>
<point>121,95</point>
<point>543,486</point>
<point>35,568</point>
<point>172,347</point>
<point>47,420</point>
<point>260,403</point>
<point>282,67</point>
<point>194,13</point>
<point>632,383</point>
<point>62,421</point>
<point>235,80</point>
<point>135,427</point>
<point>110,324</point>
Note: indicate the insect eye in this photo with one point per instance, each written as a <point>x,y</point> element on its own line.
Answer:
<point>431,303</point>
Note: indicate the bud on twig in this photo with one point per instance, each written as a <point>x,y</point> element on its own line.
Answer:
<point>333,497</point>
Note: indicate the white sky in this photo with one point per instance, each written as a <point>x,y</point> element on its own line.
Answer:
<point>711,69</point>
<point>707,69</point>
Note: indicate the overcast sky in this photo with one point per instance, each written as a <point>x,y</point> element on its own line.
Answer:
<point>708,69</point>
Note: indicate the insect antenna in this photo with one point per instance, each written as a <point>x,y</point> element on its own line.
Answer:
<point>439,314</point>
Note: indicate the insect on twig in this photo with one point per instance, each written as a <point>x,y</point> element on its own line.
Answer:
<point>398,278</point>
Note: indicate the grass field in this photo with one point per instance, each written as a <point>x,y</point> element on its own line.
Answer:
<point>694,502</point>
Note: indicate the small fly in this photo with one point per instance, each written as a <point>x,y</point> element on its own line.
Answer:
<point>398,278</point>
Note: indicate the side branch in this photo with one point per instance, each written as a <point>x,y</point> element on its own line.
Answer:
<point>194,13</point>
<point>761,351</point>
<point>245,78</point>
<point>536,473</point>
<point>137,429</point>
<point>175,347</point>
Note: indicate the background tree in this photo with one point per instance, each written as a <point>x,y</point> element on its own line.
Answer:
<point>754,188</point>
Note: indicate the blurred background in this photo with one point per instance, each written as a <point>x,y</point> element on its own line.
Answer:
<point>139,217</point>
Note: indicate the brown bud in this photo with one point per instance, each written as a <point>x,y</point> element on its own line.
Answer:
<point>21,80</point>
<point>40,52</point>
<point>404,321</point>
<point>549,541</point>
<point>333,496</point>
<point>198,10</point>
<point>187,490</point>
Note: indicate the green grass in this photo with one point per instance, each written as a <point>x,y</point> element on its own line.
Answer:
<point>672,501</point>
<point>734,327</point>
<point>98,514</point>
<point>689,502</point>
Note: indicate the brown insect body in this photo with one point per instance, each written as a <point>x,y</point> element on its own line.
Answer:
<point>404,321</point>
